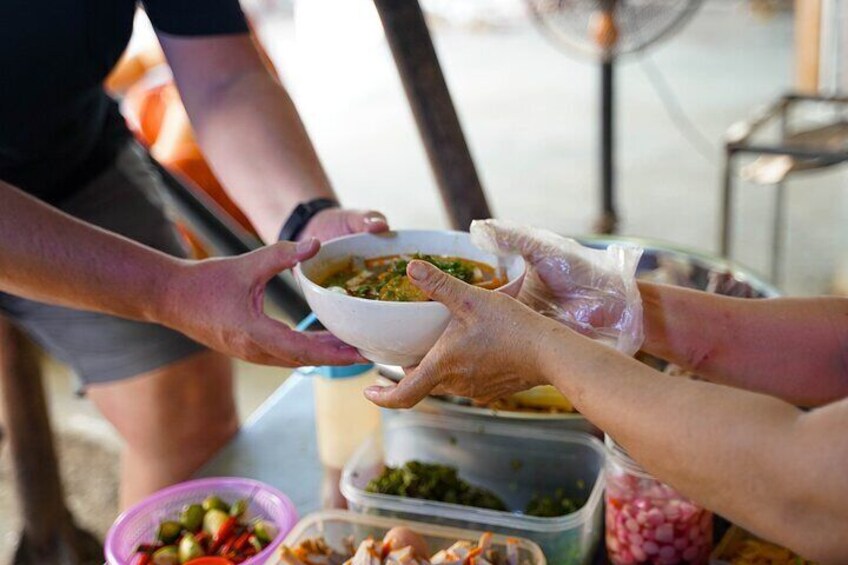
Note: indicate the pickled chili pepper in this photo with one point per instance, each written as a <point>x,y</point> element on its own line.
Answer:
<point>226,529</point>
<point>222,536</point>
<point>242,541</point>
<point>202,538</point>
<point>147,547</point>
<point>144,559</point>
<point>227,548</point>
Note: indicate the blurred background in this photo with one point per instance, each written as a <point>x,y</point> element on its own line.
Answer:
<point>530,113</point>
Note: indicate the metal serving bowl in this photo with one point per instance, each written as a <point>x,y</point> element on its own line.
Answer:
<point>661,262</point>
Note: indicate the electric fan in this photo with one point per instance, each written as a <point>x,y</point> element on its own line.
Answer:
<point>603,30</point>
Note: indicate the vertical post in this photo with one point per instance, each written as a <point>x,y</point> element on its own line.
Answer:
<point>778,236</point>
<point>608,220</point>
<point>428,95</point>
<point>727,204</point>
<point>49,534</point>
<point>778,231</point>
<point>808,21</point>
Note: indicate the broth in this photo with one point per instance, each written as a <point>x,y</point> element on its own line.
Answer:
<point>384,278</point>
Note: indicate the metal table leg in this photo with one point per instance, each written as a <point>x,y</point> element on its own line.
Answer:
<point>778,236</point>
<point>49,533</point>
<point>726,244</point>
<point>429,98</point>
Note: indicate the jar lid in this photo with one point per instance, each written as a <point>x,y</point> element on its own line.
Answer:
<point>342,372</point>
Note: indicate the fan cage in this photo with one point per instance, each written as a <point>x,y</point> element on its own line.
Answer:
<point>571,24</point>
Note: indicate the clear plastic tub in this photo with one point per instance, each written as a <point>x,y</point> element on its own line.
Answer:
<point>515,462</point>
<point>335,525</point>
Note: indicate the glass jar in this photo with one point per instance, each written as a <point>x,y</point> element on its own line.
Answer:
<point>648,521</point>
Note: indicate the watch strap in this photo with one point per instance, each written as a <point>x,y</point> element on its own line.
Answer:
<point>302,214</point>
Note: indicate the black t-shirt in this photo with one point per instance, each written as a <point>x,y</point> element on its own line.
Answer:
<point>58,128</point>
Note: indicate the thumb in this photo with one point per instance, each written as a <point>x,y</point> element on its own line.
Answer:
<point>273,259</point>
<point>412,389</point>
<point>442,287</point>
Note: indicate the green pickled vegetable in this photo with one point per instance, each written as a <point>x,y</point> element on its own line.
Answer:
<point>192,517</point>
<point>215,503</point>
<point>257,545</point>
<point>238,508</point>
<point>213,520</point>
<point>167,555</point>
<point>552,506</point>
<point>169,531</point>
<point>189,549</point>
<point>440,483</point>
<point>264,531</point>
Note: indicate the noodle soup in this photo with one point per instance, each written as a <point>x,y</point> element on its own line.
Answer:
<point>384,278</point>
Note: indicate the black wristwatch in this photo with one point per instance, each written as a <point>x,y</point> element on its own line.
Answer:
<point>304,212</point>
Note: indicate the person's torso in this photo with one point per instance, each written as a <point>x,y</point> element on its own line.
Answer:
<point>56,122</point>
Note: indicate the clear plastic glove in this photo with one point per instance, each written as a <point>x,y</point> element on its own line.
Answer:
<point>592,291</point>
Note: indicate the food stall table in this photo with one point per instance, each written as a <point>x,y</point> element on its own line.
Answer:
<point>277,445</point>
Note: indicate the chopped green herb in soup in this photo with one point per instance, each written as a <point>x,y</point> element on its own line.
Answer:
<point>384,278</point>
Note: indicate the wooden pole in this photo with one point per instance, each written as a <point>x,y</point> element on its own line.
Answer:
<point>807,45</point>
<point>428,95</point>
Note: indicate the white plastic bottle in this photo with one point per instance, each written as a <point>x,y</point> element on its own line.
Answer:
<point>344,418</point>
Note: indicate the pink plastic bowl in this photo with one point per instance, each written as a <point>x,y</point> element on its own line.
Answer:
<point>138,524</point>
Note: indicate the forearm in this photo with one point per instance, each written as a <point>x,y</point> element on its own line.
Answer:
<point>49,256</point>
<point>754,459</point>
<point>794,348</point>
<point>251,132</point>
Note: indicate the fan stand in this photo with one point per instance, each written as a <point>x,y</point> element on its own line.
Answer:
<point>605,31</point>
<point>607,222</point>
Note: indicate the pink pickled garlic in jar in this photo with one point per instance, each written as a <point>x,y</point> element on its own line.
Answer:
<point>648,521</point>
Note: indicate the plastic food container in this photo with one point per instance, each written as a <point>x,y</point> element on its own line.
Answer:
<point>514,462</point>
<point>335,525</point>
<point>138,524</point>
<point>648,521</point>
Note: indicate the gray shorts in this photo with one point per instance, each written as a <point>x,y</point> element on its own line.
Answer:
<point>126,199</point>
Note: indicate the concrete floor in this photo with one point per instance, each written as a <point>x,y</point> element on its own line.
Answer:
<point>529,113</point>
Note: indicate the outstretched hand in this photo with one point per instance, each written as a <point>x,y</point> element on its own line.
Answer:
<point>592,291</point>
<point>488,350</point>
<point>337,222</point>
<point>220,303</point>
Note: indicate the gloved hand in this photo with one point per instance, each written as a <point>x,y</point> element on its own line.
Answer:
<point>592,291</point>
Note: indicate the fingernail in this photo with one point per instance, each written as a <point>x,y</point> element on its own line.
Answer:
<point>374,220</point>
<point>305,245</point>
<point>417,270</point>
<point>373,392</point>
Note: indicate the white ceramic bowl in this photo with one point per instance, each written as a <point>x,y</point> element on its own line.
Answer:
<point>394,333</point>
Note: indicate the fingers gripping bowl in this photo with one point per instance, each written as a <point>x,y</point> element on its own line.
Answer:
<point>395,333</point>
